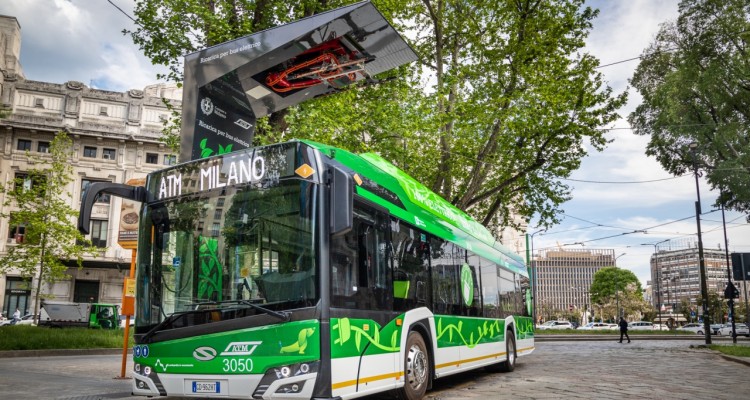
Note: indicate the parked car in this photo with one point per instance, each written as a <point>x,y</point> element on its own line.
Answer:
<point>741,329</point>
<point>715,328</point>
<point>692,327</point>
<point>27,319</point>
<point>595,326</point>
<point>641,326</point>
<point>661,327</point>
<point>556,325</point>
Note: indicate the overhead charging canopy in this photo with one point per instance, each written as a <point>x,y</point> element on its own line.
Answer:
<point>229,86</point>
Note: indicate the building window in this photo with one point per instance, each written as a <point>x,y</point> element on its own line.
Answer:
<point>103,111</point>
<point>215,229</point>
<point>102,198</point>
<point>99,233</point>
<point>89,151</point>
<point>42,147</point>
<point>152,158</point>
<point>16,232</point>
<point>217,213</point>
<point>108,154</point>
<point>25,182</point>
<point>38,102</point>
<point>24,145</point>
<point>170,159</point>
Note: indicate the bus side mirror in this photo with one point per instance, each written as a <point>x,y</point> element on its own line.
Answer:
<point>341,201</point>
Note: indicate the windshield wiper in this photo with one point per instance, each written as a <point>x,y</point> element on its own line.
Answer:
<point>280,315</point>
<point>168,320</point>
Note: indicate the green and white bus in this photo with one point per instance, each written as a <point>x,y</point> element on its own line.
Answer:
<point>300,270</point>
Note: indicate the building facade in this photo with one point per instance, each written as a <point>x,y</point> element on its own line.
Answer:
<point>116,138</point>
<point>564,277</point>
<point>675,277</point>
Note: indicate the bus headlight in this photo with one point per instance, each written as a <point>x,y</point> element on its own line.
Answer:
<point>285,372</point>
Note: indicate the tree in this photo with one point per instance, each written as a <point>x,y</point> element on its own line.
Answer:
<point>496,111</point>
<point>695,83</point>
<point>39,204</point>
<point>717,308</point>
<point>609,282</point>
<point>510,103</point>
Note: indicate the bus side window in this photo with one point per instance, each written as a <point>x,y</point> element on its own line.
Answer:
<point>411,285</point>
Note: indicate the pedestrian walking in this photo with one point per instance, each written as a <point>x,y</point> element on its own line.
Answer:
<point>16,317</point>
<point>623,329</point>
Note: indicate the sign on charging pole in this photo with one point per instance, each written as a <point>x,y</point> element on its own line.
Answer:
<point>741,272</point>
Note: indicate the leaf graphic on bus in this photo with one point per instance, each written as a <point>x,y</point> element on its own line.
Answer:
<point>344,329</point>
<point>202,289</point>
<point>394,337</point>
<point>357,340</point>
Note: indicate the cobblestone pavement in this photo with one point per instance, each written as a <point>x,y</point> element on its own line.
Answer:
<point>643,369</point>
<point>648,369</point>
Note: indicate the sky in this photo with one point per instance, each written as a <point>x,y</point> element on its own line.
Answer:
<point>82,40</point>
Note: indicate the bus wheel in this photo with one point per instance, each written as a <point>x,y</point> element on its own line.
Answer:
<point>510,349</point>
<point>416,367</point>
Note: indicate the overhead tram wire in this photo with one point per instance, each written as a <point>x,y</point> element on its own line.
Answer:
<point>644,231</point>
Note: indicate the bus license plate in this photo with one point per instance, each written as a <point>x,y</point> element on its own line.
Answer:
<point>206,387</point>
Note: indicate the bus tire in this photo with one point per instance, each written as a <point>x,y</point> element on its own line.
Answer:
<point>416,368</point>
<point>510,350</point>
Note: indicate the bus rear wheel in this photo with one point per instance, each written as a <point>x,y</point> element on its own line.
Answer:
<point>416,368</point>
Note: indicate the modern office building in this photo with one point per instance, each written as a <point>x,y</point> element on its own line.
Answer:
<point>116,137</point>
<point>564,277</point>
<point>675,277</point>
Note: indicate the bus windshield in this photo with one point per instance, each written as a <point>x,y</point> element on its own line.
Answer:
<point>227,254</point>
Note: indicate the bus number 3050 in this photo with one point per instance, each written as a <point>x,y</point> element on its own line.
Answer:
<point>238,365</point>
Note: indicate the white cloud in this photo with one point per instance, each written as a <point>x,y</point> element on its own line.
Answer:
<point>80,40</point>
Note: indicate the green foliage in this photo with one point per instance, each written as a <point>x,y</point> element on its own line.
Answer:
<point>717,307</point>
<point>694,83</point>
<point>40,203</point>
<point>500,106</point>
<point>610,281</point>
<point>26,337</point>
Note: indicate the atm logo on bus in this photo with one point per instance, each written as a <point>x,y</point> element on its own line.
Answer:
<point>240,348</point>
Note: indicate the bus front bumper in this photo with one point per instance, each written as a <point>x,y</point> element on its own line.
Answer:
<point>224,386</point>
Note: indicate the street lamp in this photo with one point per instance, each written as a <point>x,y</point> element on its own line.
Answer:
<point>658,276</point>
<point>701,261</point>
<point>532,268</point>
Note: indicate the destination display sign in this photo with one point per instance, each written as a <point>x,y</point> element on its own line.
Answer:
<point>262,165</point>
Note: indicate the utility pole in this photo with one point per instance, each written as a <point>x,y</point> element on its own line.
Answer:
<point>701,260</point>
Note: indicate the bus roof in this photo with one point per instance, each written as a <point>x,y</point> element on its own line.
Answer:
<point>390,187</point>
